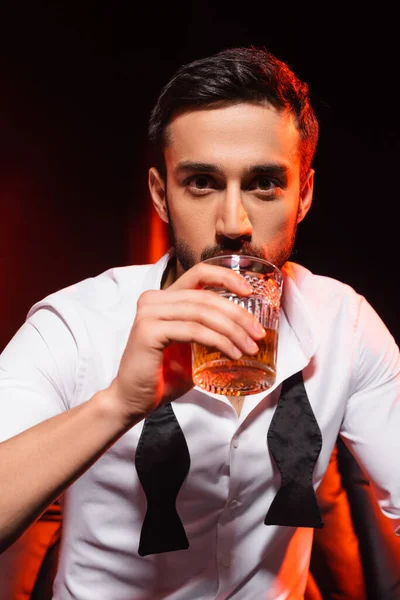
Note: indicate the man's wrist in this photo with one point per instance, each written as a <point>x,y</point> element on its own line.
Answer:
<point>113,411</point>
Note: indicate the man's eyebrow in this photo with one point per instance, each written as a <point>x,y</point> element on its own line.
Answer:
<point>197,167</point>
<point>268,169</point>
<point>200,167</point>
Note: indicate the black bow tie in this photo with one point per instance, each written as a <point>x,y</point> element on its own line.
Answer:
<point>162,463</point>
<point>295,441</point>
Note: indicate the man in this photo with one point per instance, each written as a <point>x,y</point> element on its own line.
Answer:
<point>172,492</point>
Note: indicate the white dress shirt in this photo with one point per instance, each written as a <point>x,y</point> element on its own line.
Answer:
<point>70,347</point>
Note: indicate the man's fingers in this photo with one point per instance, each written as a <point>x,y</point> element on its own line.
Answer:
<point>176,302</point>
<point>195,332</point>
<point>241,331</point>
<point>202,275</point>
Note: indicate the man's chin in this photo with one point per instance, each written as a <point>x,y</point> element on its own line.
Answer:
<point>186,258</point>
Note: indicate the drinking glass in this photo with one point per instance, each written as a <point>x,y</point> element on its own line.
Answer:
<point>215,372</point>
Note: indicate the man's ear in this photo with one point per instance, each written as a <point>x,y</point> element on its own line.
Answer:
<point>306,196</point>
<point>158,195</point>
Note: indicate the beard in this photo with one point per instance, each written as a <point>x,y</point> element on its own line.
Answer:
<point>187,259</point>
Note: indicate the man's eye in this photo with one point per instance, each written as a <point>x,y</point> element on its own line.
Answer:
<point>266,186</point>
<point>264,183</point>
<point>200,182</point>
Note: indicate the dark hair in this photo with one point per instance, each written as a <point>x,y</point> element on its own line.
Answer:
<point>229,77</point>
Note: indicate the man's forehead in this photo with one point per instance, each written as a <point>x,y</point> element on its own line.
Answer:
<point>219,113</point>
<point>249,131</point>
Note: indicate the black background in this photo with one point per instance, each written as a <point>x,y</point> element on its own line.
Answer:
<point>77,85</point>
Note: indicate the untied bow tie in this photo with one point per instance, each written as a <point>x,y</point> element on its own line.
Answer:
<point>163,461</point>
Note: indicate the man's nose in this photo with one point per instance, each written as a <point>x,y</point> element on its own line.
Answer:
<point>233,220</point>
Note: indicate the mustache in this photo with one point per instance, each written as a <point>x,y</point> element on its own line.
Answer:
<point>232,247</point>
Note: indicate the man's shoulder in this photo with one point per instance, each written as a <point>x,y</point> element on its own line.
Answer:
<point>308,281</point>
<point>110,286</point>
<point>106,292</point>
<point>322,293</point>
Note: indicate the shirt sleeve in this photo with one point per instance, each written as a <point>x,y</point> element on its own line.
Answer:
<point>38,371</point>
<point>371,423</point>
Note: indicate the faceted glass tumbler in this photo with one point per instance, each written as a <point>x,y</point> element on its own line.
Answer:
<point>215,372</point>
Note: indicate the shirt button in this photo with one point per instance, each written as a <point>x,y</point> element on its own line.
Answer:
<point>233,503</point>
<point>235,442</point>
<point>225,561</point>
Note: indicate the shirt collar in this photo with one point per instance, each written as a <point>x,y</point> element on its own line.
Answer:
<point>154,275</point>
<point>296,310</point>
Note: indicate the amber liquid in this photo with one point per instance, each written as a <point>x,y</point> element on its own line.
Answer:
<point>216,373</point>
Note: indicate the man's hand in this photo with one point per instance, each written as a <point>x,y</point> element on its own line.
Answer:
<point>156,364</point>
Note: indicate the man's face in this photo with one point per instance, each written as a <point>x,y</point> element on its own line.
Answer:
<point>233,183</point>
